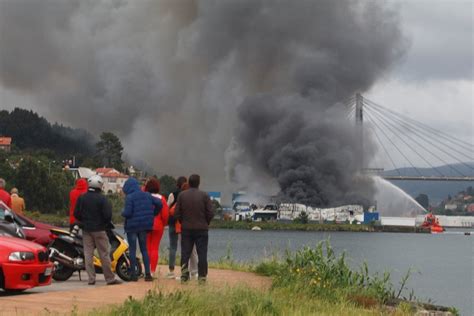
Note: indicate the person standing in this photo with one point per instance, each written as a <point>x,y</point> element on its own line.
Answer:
<point>139,212</point>
<point>194,211</point>
<point>80,188</point>
<point>172,231</point>
<point>94,211</point>
<point>161,220</point>
<point>4,196</point>
<point>18,203</point>
<point>193,260</point>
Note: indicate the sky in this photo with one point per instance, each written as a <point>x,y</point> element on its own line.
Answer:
<point>432,83</point>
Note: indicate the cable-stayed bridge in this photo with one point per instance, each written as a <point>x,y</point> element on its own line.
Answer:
<point>403,139</point>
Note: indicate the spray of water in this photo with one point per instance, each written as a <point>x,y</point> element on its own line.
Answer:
<point>393,201</point>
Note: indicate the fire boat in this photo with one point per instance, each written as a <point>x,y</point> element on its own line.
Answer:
<point>432,222</point>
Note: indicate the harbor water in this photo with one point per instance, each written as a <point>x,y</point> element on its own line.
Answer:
<point>442,265</point>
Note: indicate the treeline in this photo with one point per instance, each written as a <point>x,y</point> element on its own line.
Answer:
<point>32,132</point>
<point>43,184</point>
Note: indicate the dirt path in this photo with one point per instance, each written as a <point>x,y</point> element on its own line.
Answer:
<point>86,299</point>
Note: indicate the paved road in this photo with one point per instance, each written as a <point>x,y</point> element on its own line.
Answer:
<point>72,284</point>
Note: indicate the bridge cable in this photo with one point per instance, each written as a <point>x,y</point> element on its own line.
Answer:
<point>417,124</point>
<point>422,131</point>
<point>385,149</point>
<point>469,147</point>
<point>382,117</point>
<point>391,127</point>
<point>418,132</point>
<point>350,115</point>
<point>394,145</point>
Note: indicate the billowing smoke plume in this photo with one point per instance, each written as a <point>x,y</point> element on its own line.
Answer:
<point>180,80</point>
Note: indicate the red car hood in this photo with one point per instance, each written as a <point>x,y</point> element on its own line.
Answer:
<point>17,244</point>
<point>42,225</point>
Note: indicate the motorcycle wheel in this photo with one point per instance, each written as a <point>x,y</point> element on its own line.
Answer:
<point>61,272</point>
<point>123,267</point>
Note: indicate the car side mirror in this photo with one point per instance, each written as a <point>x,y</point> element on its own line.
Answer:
<point>9,218</point>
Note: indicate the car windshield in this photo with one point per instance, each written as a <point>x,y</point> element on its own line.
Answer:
<point>2,213</point>
<point>23,222</point>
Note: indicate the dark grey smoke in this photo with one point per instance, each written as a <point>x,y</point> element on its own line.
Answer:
<point>314,158</point>
<point>177,79</point>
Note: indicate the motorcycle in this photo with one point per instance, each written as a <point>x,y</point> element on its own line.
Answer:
<point>66,251</point>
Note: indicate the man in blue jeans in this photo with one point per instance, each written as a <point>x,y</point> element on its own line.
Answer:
<point>140,209</point>
<point>173,235</point>
<point>194,211</point>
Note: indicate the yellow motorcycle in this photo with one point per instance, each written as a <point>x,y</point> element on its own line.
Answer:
<point>66,251</point>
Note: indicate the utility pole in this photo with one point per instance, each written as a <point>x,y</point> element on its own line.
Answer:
<point>359,118</point>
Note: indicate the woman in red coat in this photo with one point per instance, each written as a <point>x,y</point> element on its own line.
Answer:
<point>160,221</point>
<point>80,188</point>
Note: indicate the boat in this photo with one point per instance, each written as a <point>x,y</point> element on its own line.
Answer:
<point>432,222</point>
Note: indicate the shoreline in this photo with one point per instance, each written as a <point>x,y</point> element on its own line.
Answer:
<point>328,227</point>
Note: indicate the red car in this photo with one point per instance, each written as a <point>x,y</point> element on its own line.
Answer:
<point>35,231</point>
<point>23,264</point>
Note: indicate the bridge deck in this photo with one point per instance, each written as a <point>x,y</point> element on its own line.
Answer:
<point>428,178</point>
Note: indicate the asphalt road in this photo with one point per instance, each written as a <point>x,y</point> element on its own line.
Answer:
<point>72,284</point>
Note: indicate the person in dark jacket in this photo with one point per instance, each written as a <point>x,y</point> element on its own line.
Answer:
<point>139,212</point>
<point>194,211</point>
<point>172,233</point>
<point>94,212</point>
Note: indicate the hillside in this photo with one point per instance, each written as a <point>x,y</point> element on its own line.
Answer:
<point>436,190</point>
<point>33,132</point>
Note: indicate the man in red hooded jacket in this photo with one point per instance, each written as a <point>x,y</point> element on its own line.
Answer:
<point>80,188</point>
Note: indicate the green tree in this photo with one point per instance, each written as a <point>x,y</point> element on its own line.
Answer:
<point>109,150</point>
<point>167,184</point>
<point>6,171</point>
<point>44,189</point>
<point>303,218</point>
<point>423,200</point>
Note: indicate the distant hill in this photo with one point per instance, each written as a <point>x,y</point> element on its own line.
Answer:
<point>436,190</point>
<point>33,132</point>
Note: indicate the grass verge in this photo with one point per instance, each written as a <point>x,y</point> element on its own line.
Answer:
<point>312,281</point>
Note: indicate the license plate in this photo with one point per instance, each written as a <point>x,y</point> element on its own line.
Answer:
<point>48,271</point>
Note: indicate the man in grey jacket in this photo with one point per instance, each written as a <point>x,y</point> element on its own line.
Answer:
<point>194,211</point>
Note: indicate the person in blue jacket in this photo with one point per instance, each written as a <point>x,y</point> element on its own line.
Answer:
<point>139,212</point>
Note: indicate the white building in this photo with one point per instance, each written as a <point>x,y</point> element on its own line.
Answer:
<point>113,179</point>
<point>339,214</point>
<point>451,206</point>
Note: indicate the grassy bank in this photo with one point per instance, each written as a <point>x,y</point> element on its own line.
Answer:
<point>52,219</point>
<point>311,281</point>
<point>329,227</point>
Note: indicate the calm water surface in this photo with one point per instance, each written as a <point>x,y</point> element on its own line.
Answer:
<point>443,264</point>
